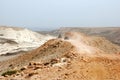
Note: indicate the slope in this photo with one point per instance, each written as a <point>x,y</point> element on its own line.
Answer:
<point>111,33</point>
<point>14,39</point>
<point>60,59</point>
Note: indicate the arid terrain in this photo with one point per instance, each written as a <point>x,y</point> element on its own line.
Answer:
<point>110,33</point>
<point>73,56</point>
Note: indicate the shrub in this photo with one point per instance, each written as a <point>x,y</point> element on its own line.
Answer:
<point>9,72</point>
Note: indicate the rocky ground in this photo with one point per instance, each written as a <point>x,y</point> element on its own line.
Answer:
<point>78,57</point>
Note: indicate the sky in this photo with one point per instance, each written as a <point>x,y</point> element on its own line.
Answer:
<point>52,14</point>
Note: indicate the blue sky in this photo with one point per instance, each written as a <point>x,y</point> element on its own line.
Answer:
<point>50,14</point>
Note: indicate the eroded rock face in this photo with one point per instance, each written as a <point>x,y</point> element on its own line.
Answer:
<point>19,39</point>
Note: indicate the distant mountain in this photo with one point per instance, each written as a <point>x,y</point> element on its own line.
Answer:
<point>111,33</point>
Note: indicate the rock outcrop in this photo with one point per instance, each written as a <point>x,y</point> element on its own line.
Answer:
<point>14,39</point>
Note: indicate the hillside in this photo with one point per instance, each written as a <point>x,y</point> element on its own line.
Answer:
<point>111,33</point>
<point>13,40</point>
<point>80,57</point>
<point>101,44</point>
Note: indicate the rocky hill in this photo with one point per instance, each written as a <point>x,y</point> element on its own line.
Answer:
<point>13,40</point>
<point>77,57</point>
<point>111,33</point>
<point>81,41</point>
